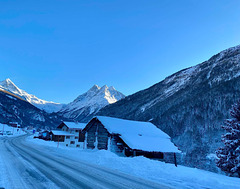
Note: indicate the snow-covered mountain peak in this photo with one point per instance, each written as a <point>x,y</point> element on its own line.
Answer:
<point>94,88</point>
<point>8,84</point>
<point>111,88</point>
<point>91,101</point>
<point>8,81</point>
<point>104,88</point>
<point>48,106</point>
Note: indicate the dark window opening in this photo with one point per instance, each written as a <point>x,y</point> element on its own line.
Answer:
<point>81,137</point>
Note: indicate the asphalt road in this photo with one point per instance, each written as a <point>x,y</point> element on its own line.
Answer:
<point>30,167</point>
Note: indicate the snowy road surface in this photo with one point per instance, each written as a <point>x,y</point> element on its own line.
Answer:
<point>26,166</point>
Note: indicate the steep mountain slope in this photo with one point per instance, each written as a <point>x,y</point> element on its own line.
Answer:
<point>189,105</point>
<point>13,108</point>
<point>49,107</point>
<point>89,103</point>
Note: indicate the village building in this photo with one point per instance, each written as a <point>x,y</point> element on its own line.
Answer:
<point>14,124</point>
<point>45,135</point>
<point>61,136</point>
<point>70,133</point>
<point>129,138</point>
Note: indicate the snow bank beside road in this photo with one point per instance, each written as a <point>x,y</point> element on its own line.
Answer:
<point>10,131</point>
<point>177,177</point>
<point>2,172</point>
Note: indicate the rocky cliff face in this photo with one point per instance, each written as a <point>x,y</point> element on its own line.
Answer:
<point>14,108</point>
<point>189,105</point>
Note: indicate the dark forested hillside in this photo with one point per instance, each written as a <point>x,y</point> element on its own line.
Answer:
<point>189,105</point>
<point>13,108</point>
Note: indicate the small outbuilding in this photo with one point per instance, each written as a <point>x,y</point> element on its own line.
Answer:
<point>129,138</point>
<point>45,135</point>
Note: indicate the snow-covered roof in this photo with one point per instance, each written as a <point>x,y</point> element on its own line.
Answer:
<point>75,125</point>
<point>62,133</point>
<point>139,135</point>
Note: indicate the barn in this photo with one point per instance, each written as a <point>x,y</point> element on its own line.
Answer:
<point>129,138</point>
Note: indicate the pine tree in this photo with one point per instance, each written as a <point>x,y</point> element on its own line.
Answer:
<point>229,155</point>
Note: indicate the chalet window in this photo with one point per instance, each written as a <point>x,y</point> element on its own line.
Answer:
<point>67,137</point>
<point>66,144</point>
<point>76,137</point>
<point>76,131</point>
<point>72,142</point>
<point>78,146</point>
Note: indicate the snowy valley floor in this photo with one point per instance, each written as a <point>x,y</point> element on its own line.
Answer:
<point>159,172</point>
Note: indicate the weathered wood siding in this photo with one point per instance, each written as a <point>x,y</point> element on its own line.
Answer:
<point>117,145</point>
<point>96,129</point>
<point>169,157</point>
<point>64,128</point>
<point>81,136</point>
<point>102,136</point>
<point>61,126</point>
<point>91,135</point>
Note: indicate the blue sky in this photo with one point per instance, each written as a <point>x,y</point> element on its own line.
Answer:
<point>58,49</point>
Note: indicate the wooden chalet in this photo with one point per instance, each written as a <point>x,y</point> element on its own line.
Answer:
<point>59,136</point>
<point>129,138</point>
<point>71,134</point>
<point>74,128</point>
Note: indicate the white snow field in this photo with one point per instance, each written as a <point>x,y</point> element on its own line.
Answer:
<point>92,101</point>
<point>45,165</point>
